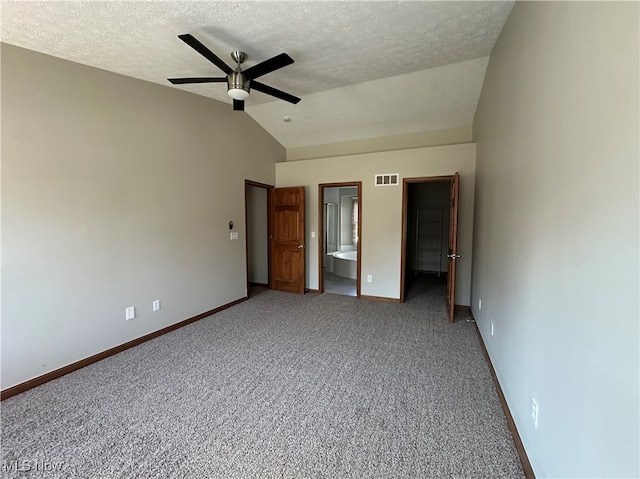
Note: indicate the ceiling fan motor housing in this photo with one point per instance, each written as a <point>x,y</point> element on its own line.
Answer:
<point>236,83</point>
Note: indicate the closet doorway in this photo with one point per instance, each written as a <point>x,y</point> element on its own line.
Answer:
<point>429,237</point>
<point>339,247</point>
<point>257,229</point>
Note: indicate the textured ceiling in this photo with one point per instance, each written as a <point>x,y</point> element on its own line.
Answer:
<point>425,100</point>
<point>362,69</point>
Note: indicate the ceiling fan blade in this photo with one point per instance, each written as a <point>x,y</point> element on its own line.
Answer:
<point>268,66</point>
<point>179,81</point>
<point>274,92</point>
<point>238,105</point>
<point>205,52</point>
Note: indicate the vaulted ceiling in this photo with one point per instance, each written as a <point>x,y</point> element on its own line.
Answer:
<point>362,69</point>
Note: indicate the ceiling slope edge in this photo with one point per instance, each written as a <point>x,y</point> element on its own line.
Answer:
<point>447,136</point>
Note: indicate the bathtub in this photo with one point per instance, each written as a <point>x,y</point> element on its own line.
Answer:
<point>345,264</point>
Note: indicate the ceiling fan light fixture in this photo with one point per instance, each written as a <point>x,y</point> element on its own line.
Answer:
<point>238,93</point>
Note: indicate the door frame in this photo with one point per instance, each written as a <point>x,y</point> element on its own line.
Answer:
<point>405,204</point>
<point>321,219</point>
<point>452,255</point>
<point>269,189</point>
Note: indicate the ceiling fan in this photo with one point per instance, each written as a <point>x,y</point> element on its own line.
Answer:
<point>239,82</point>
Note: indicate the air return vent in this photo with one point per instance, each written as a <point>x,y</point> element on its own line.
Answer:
<point>387,179</point>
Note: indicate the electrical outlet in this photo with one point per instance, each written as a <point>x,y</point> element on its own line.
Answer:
<point>130,313</point>
<point>369,278</point>
<point>156,305</point>
<point>534,412</point>
<point>491,328</point>
<point>479,304</point>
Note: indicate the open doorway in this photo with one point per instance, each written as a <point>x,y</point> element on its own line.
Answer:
<point>339,265</point>
<point>257,231</point>
<point>426,236</point>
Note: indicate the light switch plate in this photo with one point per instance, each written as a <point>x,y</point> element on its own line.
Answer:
<point>234,235</point>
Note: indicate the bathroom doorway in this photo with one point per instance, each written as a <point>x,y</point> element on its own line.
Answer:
<point>339,213</point>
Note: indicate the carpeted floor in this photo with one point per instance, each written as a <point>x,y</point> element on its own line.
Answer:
<point>280,386</point>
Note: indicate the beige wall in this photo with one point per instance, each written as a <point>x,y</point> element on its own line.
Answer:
<point>556,232</point>
<point>115,192</point>
<point>382,208</point>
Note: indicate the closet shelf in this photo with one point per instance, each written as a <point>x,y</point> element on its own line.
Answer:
<point>428,238</point>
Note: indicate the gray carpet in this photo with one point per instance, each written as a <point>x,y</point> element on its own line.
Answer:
<point>280,386</point>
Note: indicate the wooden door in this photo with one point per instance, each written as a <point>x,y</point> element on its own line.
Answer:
<point>453,246</point>
<point>288,245</point>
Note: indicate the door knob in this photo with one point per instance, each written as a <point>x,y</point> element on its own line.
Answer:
<point>300,246</point>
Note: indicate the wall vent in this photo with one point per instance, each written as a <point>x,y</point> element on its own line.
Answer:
<point>387,179</point>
